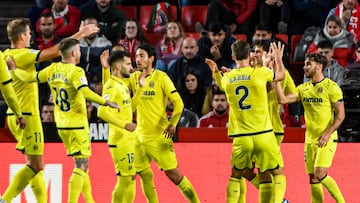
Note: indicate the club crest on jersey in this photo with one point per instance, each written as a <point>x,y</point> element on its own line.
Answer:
<point>320,90</point>
<point>151,84</point>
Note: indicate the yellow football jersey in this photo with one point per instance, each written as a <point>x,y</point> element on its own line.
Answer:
<point>27,93</point>
<point>317,100</point>
<point>246,93</point>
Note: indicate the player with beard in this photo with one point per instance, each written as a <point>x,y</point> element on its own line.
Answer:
<point>219,116</point>
<point>121,140</point>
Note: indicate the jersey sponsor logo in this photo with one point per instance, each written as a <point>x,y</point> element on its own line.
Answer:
<point>320,90</point>
<point>127,101</point>
<point>106,96</point>
<point>312,100</point>
<point>83,80</point>
<point>239,78</point>
<point>149,93</point>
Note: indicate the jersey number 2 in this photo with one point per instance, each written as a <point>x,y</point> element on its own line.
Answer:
<point>245,94</point>
<point>61,98</point>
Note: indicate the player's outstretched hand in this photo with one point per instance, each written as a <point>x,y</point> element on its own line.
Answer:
<point>10,63</point>
<point>112,104</point>
<point>21,122</point>
<point>130,127</point>
<point>104,59</point>
<point>169,131</point>
<point>212,65</point>
<point>87,30</point>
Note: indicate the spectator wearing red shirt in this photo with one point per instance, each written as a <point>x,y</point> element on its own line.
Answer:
<point>219,116</point>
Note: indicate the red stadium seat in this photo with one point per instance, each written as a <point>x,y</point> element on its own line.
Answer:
<point>241,37</point>
<point>192,14</point>
<point>283,37</point>
<point>295,39</point>
<point>153,38</point>
<point>145,13</point>
<point>129,11</point>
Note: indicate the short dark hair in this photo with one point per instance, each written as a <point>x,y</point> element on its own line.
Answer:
<point>217,92</point>
<point>317,58</point>
<point>150,50</point>
<point>240,49</point>
<point>47,14</point>
<point>325,44</point>
<point>216,27</point>
<point>263,26</point>
<point>117,56</point>
<point>264,43</point>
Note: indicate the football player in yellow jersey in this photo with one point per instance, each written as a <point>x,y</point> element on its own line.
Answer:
<point>121,139</point>
<point>70,89</point>
<point>143,169</point>
<point>8,91</point>
<point>30,139</point>
<point>154,128</point>
<point>324,111</point>
<point>249,119</point>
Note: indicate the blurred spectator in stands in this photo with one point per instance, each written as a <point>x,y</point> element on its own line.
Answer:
<point>82,5</point>
<point>192,93</point>
<point>169,48</point>
<point>219,115</point>
<point>263,32</point>
<point>216,45</point>
<point>333,69</point>
<point>190,60</point>
<point>118,47</point>
<point>47,112</point>
<point>276,14</point>
<point>91,48</point>
<point>236,14</point>
<point>132,37</point>
<point>340,38</point>
<point>349,12</point>
<point>91,113</point>
<point>67,18</point>
<point>355,65</point>
<point>110,19</point>
<point>187,119</point>
<point>96,85</point>
<point>46,39</point>
<point>307,13</point>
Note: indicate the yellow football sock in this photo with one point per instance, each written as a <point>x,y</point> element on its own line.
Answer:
<point>317,194</point>
<point>279,188</point>
<point>188,190</point>
<point>242,197</point>
<point>255,181</point>
<point>86,190</point>
<point>330,184</point>
<point>265,192</point>
<point>76,184</point>
<point>148,187</point>
<point>38,186</point>
<point>124,190</point>
<point>233,190</point>
<point>18,183</point>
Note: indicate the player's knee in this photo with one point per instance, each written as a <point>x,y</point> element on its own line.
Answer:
<point>147,175</point>
<point>174,175</point>
<point>82,163</point>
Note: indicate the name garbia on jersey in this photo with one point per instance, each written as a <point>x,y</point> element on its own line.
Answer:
<point>239,78</point>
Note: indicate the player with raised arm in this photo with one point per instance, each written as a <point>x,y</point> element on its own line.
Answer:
<point>30,139</point>
<point>70,90</point>
<point>249,119</point>
<point>324,111</point>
